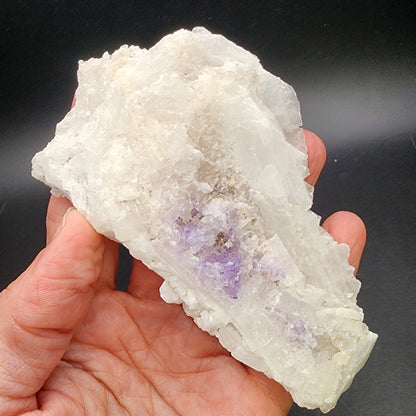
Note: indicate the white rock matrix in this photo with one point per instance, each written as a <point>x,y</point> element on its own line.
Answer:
<point>192,156</point>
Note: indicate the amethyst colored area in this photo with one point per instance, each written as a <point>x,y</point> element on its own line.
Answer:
<point>298,327</point>
<point>211,236</point>
<point>189,233</point>
<point>292,323</point>
<point>218,251</point>
<point>225,267</point>
<point>274,273</point>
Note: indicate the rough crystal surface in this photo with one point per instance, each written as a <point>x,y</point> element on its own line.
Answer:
<point>192,156</point>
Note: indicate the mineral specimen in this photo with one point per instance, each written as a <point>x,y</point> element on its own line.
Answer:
<point>192,156</point>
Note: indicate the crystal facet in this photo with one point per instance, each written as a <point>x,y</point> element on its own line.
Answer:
<point>192,156</point>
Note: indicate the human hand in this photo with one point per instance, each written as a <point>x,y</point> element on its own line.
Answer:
<point>70,344</point>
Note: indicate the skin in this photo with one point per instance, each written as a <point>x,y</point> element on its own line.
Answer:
<point>70,344</point>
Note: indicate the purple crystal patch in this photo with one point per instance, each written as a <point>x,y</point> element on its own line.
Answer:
<point>274,273</point>
<point>212,242</point>
<point>223,264</point>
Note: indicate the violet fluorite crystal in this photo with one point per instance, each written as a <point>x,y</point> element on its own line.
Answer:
<point>215,249</point>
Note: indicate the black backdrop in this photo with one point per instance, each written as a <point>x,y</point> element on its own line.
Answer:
<point>353,65</point>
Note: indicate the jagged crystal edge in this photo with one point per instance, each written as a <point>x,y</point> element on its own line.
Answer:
<point>192,156</point>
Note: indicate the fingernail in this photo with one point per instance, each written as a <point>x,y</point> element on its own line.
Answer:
<point>64,219</point>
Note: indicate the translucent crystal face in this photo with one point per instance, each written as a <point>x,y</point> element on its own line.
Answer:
<point>192,156</point>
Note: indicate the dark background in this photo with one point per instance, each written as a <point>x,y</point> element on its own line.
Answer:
<point>353,65</point>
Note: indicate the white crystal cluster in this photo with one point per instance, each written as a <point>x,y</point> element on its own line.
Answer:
<point>192,156</point>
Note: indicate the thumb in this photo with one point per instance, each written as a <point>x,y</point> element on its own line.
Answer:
<point>41,308</point>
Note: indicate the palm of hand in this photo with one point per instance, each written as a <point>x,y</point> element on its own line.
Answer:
<point>135,354</point>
